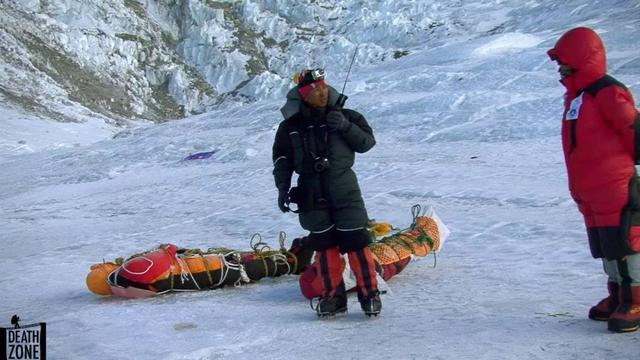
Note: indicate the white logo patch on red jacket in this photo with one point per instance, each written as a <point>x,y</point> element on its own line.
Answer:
<point>574,108</point>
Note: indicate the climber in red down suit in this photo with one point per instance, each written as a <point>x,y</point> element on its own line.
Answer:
<point>600,127</point>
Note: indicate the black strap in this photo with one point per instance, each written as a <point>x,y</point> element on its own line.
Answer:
<point>316,146</point>
<point>636,126</point>
<point>322,140</point>
<point>325,274</point>
<point>600,84</point>
<point>593,90</point>
<point>323,152</point>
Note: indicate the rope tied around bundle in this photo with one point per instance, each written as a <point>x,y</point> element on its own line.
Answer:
<point>415,213</point>
<point>282,238</point>
<point>263,251</point>
<point>259,249</point>
<point>238,266</point>
<point>155,271</point>
<point>408,241</point>
<point>222,253</point>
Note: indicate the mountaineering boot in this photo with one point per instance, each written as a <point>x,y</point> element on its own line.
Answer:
<point>334,296</point>
<point>371,305</point>
<point>603,310</point>
<point>330,306</point>
<point>626,317</point>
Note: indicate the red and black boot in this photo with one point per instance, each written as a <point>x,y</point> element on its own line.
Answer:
<point>334,296</point>
<point>603,310</point>
<point>364,267</point>
<point>626,317</point>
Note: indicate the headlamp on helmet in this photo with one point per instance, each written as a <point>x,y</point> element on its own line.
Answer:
<point>308,76</point>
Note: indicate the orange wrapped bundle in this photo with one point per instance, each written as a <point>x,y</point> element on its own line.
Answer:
<point>168,268</point>
<point>393,253</point>
<point>384,254</point>
<point>97,278</point>
<point>420,239</point>
<point>171,269</point>
<point>429,226</point>
<point>419,246</point>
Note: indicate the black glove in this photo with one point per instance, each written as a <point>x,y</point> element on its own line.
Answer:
<point>337,121</point>
<point>282,198</point>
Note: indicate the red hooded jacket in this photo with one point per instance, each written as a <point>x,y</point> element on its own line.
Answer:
<point>598,130</point>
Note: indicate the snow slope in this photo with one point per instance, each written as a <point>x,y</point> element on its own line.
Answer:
<point>470,126</point>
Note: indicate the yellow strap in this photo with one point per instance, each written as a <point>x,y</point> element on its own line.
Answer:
<point>204,260</point>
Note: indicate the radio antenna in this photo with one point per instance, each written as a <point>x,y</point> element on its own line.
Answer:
<point>342,98</point>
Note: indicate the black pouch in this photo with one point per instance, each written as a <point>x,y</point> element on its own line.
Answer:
<point>301,196</point>
<point>631,213</point>
<point>613,242</point>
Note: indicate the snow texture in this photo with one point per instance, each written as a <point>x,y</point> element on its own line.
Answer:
<point>470,125</point>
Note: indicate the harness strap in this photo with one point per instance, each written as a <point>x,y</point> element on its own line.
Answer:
<point>314,136</point>
<point>600,84</point>
<point>593,90</point>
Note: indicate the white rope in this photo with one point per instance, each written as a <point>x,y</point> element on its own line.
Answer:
<point>243,274</point>
<point>283,260</point>
<point>224,270</point>
<point>185,272</point>
<point>239,267</point>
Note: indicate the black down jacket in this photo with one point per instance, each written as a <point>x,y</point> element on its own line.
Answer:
<point>303,141</point>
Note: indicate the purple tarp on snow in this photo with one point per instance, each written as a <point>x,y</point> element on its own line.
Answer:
<point>201,155</point>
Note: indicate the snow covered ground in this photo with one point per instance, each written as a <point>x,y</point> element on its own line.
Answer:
<point>470,126</point>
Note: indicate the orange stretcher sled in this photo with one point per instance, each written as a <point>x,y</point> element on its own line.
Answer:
<point>169,268</point>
